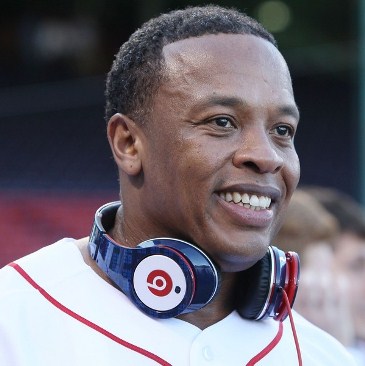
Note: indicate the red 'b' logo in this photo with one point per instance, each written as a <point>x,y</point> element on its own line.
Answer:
<point>159,283</point>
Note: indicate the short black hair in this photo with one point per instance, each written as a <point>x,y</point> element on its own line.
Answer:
<point>138,67</point>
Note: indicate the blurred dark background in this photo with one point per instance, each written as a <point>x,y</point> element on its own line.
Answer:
<point>55,164</point>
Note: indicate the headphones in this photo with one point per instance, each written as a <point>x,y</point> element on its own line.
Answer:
<point>165,277</point>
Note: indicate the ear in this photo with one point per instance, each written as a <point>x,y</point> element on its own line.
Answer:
<point>125,142</point>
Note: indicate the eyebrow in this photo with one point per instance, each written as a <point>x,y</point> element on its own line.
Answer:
<point>288,110</point>
<point>224,101</point>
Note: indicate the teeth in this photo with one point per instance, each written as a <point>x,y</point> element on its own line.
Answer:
<point>252,202</point>
<point>263,201</point>
<point>245,198</point>
<point>236,197</point>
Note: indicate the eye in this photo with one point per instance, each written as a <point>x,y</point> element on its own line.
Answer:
<point>223,122</point>
<point>284,130</point>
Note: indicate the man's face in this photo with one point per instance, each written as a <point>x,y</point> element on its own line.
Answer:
<point>222,127</point>
<point>350,259</point>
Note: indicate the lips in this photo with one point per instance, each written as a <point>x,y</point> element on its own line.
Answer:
<point>251,201</point>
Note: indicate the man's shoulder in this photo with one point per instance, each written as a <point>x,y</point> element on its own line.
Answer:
<point>47,263</point>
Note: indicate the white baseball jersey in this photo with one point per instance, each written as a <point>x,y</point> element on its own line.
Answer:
<point>55,310</point>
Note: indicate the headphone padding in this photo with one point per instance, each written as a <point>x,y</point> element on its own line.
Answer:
<point>253,288</point>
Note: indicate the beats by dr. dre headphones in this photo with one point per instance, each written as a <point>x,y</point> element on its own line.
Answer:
<point>165,277</point>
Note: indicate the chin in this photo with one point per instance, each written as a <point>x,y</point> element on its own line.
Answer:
<point>240,260</point>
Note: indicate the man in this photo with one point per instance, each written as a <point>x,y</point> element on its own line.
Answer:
<point>201,121</point>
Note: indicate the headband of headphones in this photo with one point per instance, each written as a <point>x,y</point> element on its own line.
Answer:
<point>165,277</point>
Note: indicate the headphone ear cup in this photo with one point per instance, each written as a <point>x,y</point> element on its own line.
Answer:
<point>169,277</point>
<point>162,283</point>
<point>291,284</point>
<point>253,288</point>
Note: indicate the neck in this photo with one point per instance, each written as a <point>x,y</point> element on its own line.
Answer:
<point>124,233</point>
<point>220,307</point>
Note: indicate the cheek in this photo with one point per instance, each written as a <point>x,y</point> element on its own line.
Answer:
<point>200,159</point>
<point>186,168</point>
<point>197,173</point>
<point>291,175</point>
<point>292,172</point>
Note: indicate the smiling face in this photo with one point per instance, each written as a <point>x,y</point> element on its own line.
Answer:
<point>219,164</point>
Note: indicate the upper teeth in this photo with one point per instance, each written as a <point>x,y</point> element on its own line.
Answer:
<point>253,201</point>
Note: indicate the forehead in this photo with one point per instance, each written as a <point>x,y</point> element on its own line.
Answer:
<point>243,54</point>
<point>234,65</point>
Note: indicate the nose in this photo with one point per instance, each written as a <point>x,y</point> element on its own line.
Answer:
<point>257,151</point>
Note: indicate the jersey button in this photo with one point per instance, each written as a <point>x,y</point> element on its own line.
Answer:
<point>208,353</point>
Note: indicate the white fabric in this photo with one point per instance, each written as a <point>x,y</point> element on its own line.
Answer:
<point>35,332</point>
<point>358,352</point>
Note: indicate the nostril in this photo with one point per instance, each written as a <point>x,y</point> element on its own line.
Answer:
<point>252,165</point>
<point>259,156</point>
<point>263,164</point>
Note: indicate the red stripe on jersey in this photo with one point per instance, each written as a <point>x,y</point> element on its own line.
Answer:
<point>268,348</point>
<point>88,323</point>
